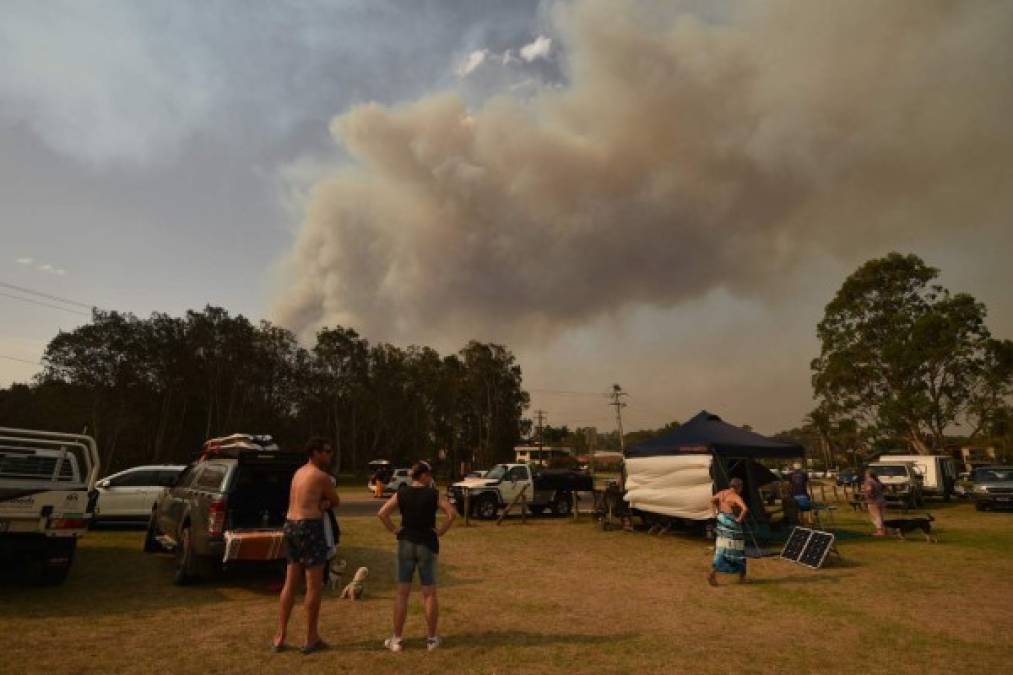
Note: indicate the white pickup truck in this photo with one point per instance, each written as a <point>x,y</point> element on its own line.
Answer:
<point>551,489</point>
<point>47,497</point>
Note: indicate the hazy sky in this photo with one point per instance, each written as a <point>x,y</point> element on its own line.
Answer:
<point>642,193</point>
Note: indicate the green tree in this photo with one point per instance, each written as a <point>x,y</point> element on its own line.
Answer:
<point>902,356</point>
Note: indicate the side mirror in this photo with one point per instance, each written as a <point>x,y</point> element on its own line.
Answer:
<point>104,483</point>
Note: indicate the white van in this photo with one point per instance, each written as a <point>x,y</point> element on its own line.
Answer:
<point>939,472</point>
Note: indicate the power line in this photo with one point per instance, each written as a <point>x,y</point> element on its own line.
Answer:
<point>14,358</point>
<point>43,304</point>
<point>568,393</point>
<point>48,296</point>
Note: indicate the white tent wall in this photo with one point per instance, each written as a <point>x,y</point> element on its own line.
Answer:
<point>671,485</point>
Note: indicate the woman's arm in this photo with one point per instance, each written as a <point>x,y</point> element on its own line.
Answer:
<point>384,514</point>
<point>451,514</point>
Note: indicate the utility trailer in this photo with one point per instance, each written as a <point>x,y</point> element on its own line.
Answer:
<point>47,497</point>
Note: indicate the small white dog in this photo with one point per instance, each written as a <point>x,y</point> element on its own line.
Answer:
<point>356,587</point>
<point>335,570</point>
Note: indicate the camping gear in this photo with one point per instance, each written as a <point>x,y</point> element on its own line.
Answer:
<point>254,545</point>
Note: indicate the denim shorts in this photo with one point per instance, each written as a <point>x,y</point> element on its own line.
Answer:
<point>411,556</point>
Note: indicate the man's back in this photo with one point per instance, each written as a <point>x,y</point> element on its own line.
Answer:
<point>307,492</point>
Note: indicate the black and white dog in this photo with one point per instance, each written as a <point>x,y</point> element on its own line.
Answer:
<point>903,525</point>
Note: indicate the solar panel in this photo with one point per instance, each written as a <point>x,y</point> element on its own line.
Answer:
<point>808,547</point>
<point>816,550</point>
<point>796,542</point>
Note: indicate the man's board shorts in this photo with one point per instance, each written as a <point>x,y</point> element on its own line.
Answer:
<point>305,542</point>
<point>804,502</point>
<point>412,556</point>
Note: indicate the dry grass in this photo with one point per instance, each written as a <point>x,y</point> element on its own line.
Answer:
<point>551,596</point>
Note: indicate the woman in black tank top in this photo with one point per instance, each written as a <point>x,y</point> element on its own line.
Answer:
<point>417,548</point>
<point>418,506</point>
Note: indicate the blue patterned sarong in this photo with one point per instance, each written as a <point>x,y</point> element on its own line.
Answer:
<point>730,546</point>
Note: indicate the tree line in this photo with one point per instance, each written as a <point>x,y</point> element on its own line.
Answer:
<point>151,390</point>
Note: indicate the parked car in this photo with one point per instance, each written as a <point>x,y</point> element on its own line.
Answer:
<point>47,497</point>
<point>545,489</point>
<point>993,487</point>
<point>131,494</point>
<point>232,489</point>
<point>398,478</point>
<point>849,477</point>
<point>380,467</point>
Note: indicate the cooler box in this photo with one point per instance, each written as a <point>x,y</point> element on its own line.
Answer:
<point>254,545</point>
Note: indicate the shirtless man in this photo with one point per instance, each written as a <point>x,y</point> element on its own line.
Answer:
<point>311,494</point>
<point>730,545</point>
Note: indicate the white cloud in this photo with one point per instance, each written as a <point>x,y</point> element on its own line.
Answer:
<point>48,268</point>
<point>539,49</point>
<point>473,61</point>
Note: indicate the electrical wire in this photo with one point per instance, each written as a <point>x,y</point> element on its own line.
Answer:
<point>47,296</point>
<point>44,304</point>
<point>14,358</point>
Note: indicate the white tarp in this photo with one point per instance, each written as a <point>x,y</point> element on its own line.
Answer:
<point>671,485</point>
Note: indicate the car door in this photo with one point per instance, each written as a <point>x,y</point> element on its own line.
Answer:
<point>174,501</point>
<point>517,477</point>
<point>117,496</point>
<point>141,497</point>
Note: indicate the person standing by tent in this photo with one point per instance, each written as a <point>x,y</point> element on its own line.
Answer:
<point>798,483</point>
<point>730,546</point>
<point>875,501</point>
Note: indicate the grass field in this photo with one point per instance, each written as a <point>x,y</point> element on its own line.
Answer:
<point>552,596</point>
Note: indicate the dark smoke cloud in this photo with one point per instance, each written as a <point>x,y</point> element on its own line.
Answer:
<point>682,155</point>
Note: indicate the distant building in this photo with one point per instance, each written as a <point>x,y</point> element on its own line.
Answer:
<point>532,454</point>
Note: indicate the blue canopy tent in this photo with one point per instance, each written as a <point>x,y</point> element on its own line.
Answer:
<point>675,474</point>
<point>708,433</point>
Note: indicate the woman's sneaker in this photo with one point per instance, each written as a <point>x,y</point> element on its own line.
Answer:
<point>393,644</point>
<point>433,642</point>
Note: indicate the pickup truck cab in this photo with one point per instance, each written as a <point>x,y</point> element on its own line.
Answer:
<point>902,480</point>
<point>543,489</point>
<point>234,489</point>
<point>47,497</point>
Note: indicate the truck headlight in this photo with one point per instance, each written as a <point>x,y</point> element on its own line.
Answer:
<point>980,489</point>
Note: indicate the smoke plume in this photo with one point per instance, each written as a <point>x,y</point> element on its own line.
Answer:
<point>682,154</point>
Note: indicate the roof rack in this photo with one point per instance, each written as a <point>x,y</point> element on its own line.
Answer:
<point>236,443</point>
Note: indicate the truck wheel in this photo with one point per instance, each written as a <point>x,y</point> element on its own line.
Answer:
<point>487,508</point>
<point>56,560</point>
<point>562,506</point>
<point>151,544</point>
<point>186,560</point>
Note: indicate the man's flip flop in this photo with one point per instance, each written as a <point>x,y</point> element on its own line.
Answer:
<point>315,647</point>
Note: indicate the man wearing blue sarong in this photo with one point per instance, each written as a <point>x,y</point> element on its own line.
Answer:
<point>730,545</point>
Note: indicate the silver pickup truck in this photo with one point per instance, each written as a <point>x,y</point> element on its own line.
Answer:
<point>47,497</point>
